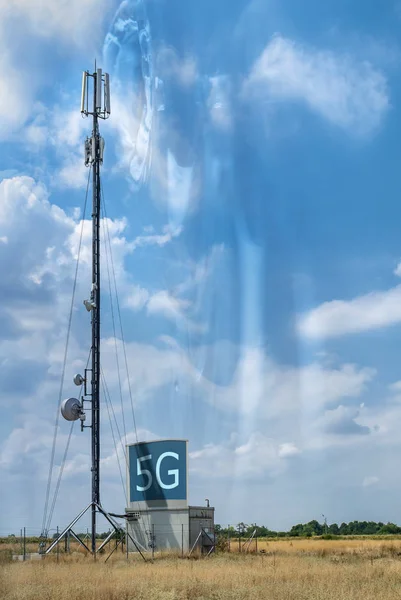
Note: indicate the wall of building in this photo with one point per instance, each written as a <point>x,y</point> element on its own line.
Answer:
<point>200,519</point>
<point>170,528</point>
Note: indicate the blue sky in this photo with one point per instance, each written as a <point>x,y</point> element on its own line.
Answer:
<point>252,186</point>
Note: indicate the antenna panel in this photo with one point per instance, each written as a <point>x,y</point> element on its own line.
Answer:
<point>99,89</point>
<point>107,107</point>
<point>93,149</point>
<point>101,149</point>
<point>83,93</point>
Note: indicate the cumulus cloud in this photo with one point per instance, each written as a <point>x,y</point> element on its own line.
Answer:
<point>364,313</point>
<point>60,130</point>
<point>65,19</point>
<point>182,69</point>
<point>137,298</point>
<point>37,270</point>
<point>16,97</point>
<point>153,239</point>
<point>343,421</point>
<point>288,449</point>
<point>261,386</point>
<point>395,387</point>
<point>163,303</point>
<point>177,304</point>
<point>27,22</point>
<point>351,95</point>
<point>258,456</point>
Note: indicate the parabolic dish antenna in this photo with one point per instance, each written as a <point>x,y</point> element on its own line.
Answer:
<point>78,379</point>
<point>71,409</point>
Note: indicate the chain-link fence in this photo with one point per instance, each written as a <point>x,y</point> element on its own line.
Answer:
<point>152,540</point>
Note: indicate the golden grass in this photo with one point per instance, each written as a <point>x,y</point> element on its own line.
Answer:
<point>297,569</point>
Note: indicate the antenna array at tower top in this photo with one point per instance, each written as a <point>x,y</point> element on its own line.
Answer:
<point>101,90</point>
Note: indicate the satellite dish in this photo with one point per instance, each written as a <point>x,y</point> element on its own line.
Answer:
<point>71,409</point>
<point>78,379</point>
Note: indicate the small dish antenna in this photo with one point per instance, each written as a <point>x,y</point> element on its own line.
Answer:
<point>71,409</point>
<point>78,379</point>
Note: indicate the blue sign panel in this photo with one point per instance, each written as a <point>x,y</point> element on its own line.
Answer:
<point>158,471</point>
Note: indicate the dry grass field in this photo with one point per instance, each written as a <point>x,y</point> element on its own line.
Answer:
<point>299,569</point>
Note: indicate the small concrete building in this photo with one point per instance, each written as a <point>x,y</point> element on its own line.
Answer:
<point>158,514</point>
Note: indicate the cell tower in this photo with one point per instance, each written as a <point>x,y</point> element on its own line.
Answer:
<point>73,409</point>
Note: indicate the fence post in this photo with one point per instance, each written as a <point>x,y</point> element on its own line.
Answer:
<point>153,541</point>
<point>256,544</point>
<point>24,555</point>
<point>182,540</point>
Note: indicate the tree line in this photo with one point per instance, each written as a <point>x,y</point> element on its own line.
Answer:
<point>313,528</point>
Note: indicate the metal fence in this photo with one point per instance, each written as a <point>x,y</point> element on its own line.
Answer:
<point>159,540</point>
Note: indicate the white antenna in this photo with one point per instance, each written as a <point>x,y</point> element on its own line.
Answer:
<point>101,91</point>
<point>83,93</point>
<point>107,93</point>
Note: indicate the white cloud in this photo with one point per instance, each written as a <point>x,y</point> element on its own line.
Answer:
<point>25,441</point>
<point>395,387</point>
<point>397,270</point>
<point>342,421</point>
<point>66,19</point>
<point>137,298</point>
<point>61,130</point>
<point>352,95</point>
<point>183,69</point>
<point>288,449</point>
<point>16,97</point>
<point>260,386</point>
<point>370,480</point>
<point>170,303</point>
<point>259,456</point>
<point>164,303</point>
<point>152,239</point>
<point>363,313</point>
<point>173,308</point>
<point>73,173</point>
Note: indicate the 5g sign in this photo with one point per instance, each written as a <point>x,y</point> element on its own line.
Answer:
<point>158,470</point>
